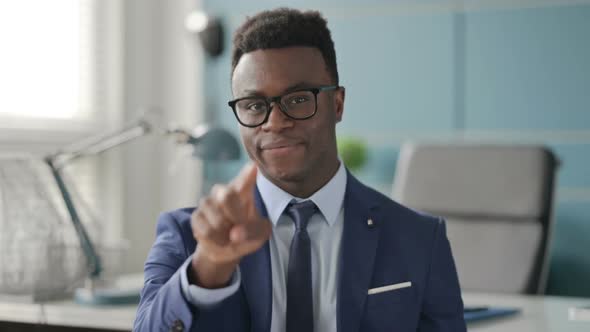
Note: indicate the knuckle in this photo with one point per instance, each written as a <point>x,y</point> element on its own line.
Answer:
<point>232,192</point>
<point>218,191</point>
<point>222,194</point>
<point>204,202</point>
<point>204,230</point>
<point>196,216</point>
<point>201,228</point>
<point>215,188</point>
<point>216,221</point>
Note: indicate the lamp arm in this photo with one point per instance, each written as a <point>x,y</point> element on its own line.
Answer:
<point>90,252</point>
<point>92,146</point>
<point>101,143</point>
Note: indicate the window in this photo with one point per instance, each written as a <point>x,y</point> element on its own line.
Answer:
<point>56,59</point>
<point>60,81</point>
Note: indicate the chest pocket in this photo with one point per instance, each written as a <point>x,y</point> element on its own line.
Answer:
<point>394,310</point>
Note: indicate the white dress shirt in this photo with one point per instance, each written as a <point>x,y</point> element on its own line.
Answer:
<point>325,232</point>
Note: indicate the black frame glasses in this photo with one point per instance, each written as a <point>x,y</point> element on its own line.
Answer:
<point>279,101</point>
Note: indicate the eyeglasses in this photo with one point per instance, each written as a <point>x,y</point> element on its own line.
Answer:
<point>299,105</point>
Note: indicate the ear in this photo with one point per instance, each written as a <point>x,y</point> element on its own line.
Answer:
<point>339,103</point>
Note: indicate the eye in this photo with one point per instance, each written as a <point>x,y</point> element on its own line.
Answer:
<point>256,106</point>
<point>298,100</point>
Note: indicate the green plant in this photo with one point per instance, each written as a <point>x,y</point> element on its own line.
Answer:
<point>353,152</point>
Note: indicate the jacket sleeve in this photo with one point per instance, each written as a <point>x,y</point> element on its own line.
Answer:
<point>163,306</point>
<point>442,309</point>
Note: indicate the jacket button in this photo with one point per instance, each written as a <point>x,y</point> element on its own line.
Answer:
<point>177,326</point>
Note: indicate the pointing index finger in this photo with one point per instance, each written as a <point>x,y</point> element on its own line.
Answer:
<point>246,180</point>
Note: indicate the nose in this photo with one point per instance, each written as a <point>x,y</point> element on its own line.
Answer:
<point>277,120</point>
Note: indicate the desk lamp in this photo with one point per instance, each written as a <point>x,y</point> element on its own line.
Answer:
<point>209,144</point>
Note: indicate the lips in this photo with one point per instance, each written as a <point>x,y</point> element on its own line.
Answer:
<point>281,149</point>
<point>279,145</point>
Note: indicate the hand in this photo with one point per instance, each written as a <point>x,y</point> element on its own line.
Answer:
<point>227,227</point>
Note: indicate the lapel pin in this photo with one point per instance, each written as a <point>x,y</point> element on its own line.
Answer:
<point>370,223</point>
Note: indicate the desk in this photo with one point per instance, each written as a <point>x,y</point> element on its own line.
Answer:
<point>67,314</point>
<point>539,314</point>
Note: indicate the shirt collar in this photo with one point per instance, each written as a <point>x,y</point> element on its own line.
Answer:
<point>328,198</point>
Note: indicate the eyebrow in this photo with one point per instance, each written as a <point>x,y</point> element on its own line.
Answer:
<point>294,87</point>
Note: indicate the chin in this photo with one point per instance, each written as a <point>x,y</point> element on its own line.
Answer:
<point>284,174</point>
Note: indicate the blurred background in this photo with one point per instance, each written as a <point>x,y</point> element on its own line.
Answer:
<point>514,72</point>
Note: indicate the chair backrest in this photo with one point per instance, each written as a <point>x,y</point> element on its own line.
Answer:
<point>498,204</point>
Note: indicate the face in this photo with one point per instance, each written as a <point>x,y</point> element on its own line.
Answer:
<point>296,155</point>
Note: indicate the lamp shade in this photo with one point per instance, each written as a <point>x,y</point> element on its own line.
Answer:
<point>214,144</point>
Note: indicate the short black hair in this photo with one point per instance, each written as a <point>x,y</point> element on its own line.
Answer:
<point>285,27</point>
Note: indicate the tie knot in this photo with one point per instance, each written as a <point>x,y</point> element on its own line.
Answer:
<point>301,212</point>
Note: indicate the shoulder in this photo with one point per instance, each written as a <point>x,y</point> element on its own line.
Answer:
<point>174,227</point>
<point>393,215</point>
<point>176,218</point>
<point>375,200</point>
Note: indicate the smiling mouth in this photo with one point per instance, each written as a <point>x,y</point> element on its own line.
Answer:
<point>279,144</point>
<point>281,148</point>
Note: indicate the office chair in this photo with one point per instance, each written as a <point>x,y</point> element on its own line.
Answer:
<point>498,203</point>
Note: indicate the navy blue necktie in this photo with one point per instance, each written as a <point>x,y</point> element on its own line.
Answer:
<point>299,293</point>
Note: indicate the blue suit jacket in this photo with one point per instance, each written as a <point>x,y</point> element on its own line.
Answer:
<point>401,245</point>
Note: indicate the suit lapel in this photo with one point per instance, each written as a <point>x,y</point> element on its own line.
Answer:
<point>256,280</point>
<point>358,249</point>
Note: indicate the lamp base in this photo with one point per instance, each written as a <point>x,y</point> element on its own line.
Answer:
<point>106,296</point>
<point>123,291</point>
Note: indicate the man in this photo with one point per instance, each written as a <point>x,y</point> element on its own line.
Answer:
<point>295,242</point>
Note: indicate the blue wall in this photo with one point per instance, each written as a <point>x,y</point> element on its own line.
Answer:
<point>423,70</point>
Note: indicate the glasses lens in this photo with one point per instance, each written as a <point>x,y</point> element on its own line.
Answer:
<point>251,111</point>
<point>299,105</point>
